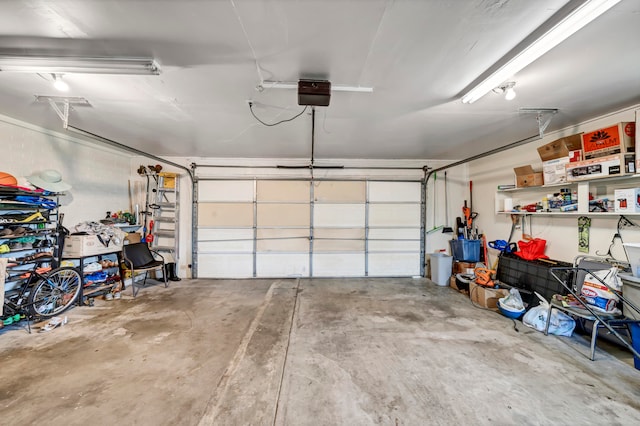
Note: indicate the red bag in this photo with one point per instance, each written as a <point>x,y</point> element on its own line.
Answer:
<point>532,249</point>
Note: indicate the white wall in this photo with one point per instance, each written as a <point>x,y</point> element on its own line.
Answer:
<point>98,175</point>
<point>457,192</point>
<point>561,233</point>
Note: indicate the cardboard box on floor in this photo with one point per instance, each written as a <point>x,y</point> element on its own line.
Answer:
<point>460,287</point>
<point>525,177</point>
<point>485,296</point>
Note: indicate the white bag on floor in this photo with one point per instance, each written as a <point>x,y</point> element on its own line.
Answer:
<point>561,324</point>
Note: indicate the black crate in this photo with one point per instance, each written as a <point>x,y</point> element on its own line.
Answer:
<point>532,275</point>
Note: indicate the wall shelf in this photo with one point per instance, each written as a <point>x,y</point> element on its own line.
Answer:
<point>583,187</point>
<point>572,214</point>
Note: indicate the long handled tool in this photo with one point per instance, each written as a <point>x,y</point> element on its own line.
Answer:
<point>435,199</point>
<point>447,229</point>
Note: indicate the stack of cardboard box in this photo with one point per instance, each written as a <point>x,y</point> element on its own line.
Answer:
<point>606,152</point>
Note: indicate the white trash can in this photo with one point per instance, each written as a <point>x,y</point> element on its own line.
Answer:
<point>441,265</point>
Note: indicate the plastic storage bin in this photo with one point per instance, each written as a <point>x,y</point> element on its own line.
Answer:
<point>441,265</point>
<point>633,254</point>
<point>465,250</point>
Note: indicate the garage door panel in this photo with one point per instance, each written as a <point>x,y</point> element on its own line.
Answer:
<point>284,240</point>
<point>394,215</point>
<point>394,192</point>
<point>228,245</point>
<point>283,191</point>
<point>217,234</point>
<point>339,192</point>
<point>225,190</point>
<point>394,264</point>
<point>342,245</point>
<point>344,233</point>
<point>225,265</point>
<point>282,265</point>
<point>339,215</point>
<point>394,233</point>
<point>338,265</point>
<point>292,215</point>
<point>225,214</point>
<point>394,246</point>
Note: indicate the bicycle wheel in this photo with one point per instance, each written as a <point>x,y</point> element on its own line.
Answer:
<point>55,293</point>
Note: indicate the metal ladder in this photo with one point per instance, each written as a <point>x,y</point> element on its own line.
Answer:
<point>166,215</point>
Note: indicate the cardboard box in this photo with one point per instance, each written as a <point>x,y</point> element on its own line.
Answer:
<point>525,177</point>
<point>616,139</point>
<point>560,147</point>
<point>132,238</point>
<point>168,180</point>
<point>486,297</point>
<point>575,155</point>
<point>459,285</point>
<point>554,171</point>
<point>627,200</point>
<point>612,165</point>
<point>556,154</point>
<point>463,267</point>
<point>87,245</point>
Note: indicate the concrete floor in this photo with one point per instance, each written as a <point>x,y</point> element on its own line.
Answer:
<point>307,352</point>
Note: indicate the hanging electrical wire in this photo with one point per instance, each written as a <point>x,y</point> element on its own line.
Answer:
<point>278,122</point>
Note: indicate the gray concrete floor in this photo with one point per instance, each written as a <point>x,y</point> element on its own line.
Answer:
<point>307,352</point>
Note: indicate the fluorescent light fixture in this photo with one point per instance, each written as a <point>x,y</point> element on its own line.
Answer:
<point>83,65</point>
<point>574,21</point>
<point>294,85</point>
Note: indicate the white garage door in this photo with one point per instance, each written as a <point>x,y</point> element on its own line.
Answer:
<point>289,228</point>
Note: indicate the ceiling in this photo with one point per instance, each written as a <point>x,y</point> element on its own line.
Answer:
<point>418,55</point>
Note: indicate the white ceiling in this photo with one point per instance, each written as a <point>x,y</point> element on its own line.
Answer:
<point>418,55</point>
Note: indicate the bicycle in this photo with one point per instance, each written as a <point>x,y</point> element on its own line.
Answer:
<point>43,295</point>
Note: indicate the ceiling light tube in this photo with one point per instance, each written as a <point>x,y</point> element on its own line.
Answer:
<point>82,65</point>
<point>294,85</point>
<point>570,24</point>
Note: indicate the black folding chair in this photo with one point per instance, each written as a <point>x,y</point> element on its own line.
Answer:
<point>138,258</point>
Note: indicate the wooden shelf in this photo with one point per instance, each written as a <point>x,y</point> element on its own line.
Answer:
<point>571,213</point>
<point>569,184</point>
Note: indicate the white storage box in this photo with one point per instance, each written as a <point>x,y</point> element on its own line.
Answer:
<point>87,245</point>
<point>631,292</point>
<point>626,200</point>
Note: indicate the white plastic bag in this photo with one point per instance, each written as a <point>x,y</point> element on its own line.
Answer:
<point>513,300</point>
<point>561,324</point>
<point>598,294</point>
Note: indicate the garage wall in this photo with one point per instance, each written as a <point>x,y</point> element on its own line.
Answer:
<point>98,175</point>
<point>561,233</point>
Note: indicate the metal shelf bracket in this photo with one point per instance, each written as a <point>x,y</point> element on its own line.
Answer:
<point>543,116</point>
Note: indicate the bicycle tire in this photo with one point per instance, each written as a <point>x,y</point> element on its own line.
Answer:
<point>55,293</point>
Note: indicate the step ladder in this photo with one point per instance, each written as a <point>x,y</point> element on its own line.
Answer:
<point>166,216</point>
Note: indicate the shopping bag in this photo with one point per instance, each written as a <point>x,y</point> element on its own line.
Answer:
<point>599,289</point>
<point>532,249</point>
<point>561,324</point>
